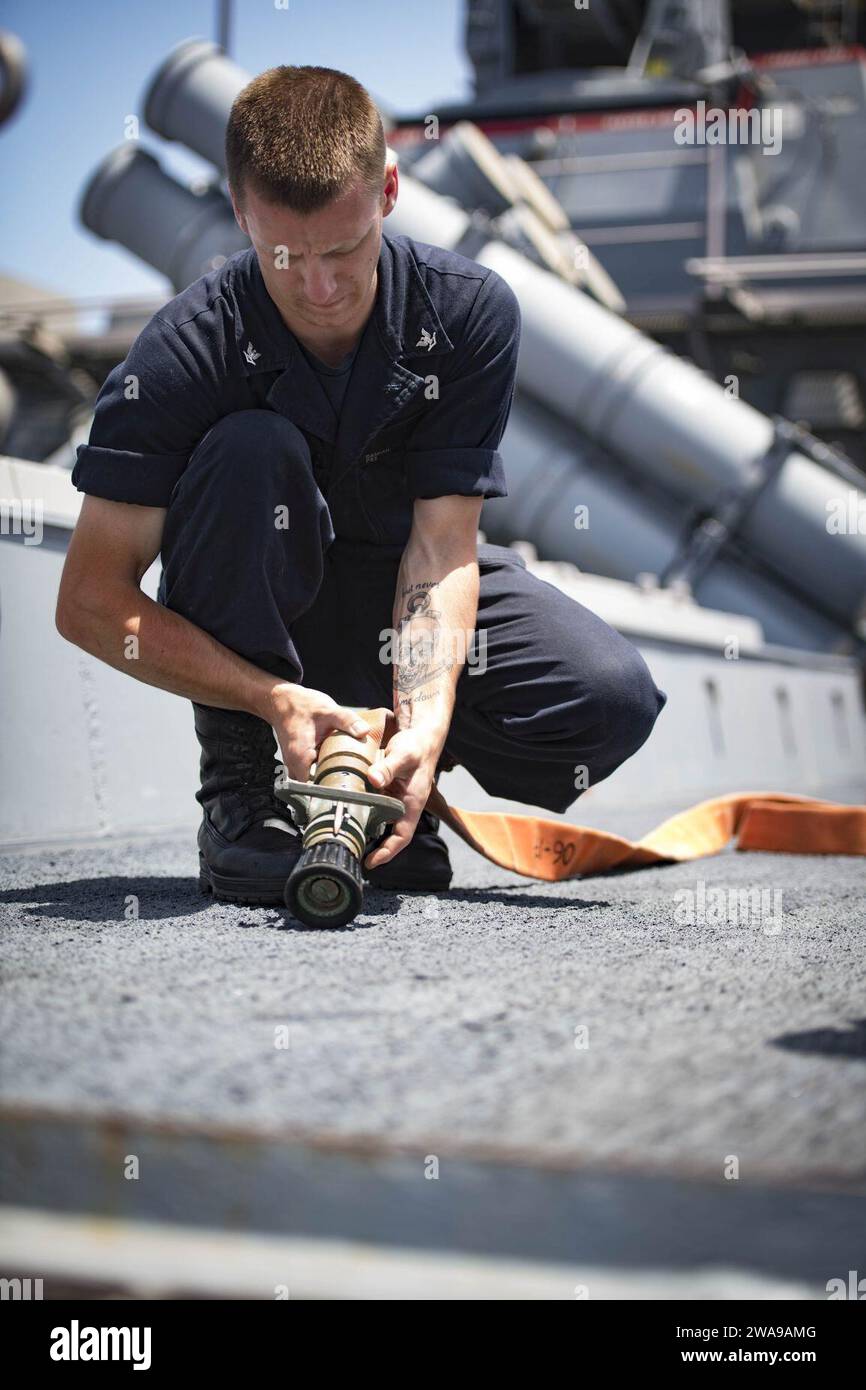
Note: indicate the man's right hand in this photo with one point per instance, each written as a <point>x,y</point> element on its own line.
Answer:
<point>301,719</point>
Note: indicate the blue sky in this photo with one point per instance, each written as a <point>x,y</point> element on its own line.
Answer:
<point>90,62</point>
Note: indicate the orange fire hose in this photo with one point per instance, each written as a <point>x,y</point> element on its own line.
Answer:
<point>552,850</point>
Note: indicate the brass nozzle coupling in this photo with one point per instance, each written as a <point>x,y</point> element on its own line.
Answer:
<point>338,804</point>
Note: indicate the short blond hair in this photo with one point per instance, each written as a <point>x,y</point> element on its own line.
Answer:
<point>300,136</point>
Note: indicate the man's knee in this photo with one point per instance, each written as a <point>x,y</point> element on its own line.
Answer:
<point>571,741</point>
<point>627,703</point>
<point>250,444</point>
<point>633,704</point>
<point>252,471</point>
<point>247,490</point>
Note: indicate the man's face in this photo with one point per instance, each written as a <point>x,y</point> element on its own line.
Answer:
<point>320,267</point>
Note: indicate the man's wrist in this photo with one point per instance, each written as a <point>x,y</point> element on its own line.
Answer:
<point>431,731</point>
<point>268,697</point>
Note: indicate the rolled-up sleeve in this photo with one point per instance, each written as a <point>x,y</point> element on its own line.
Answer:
<point>454,448</point>
<point>150,413</point>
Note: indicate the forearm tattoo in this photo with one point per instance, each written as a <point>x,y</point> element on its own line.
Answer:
<point>423,658</point>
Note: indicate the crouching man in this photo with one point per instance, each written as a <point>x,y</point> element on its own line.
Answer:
<point>306,435</point>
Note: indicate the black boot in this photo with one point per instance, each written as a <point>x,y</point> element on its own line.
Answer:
<point>248,844</point>
<point>424,866</point>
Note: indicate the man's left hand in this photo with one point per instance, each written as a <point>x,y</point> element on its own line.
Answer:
<point>404,769</point>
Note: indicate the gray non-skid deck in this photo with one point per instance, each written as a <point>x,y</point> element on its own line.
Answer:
<point>587,1024</point>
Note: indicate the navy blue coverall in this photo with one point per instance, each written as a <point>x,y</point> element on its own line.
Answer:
<point>219,416</point>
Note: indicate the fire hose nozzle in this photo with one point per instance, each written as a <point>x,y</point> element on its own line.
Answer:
<point>339,816</point>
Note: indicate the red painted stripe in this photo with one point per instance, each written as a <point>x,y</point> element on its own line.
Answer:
<point>644,118</point>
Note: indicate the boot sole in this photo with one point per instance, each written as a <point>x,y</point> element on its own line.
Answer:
<point>269,892</point>
<point>248,892</point>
